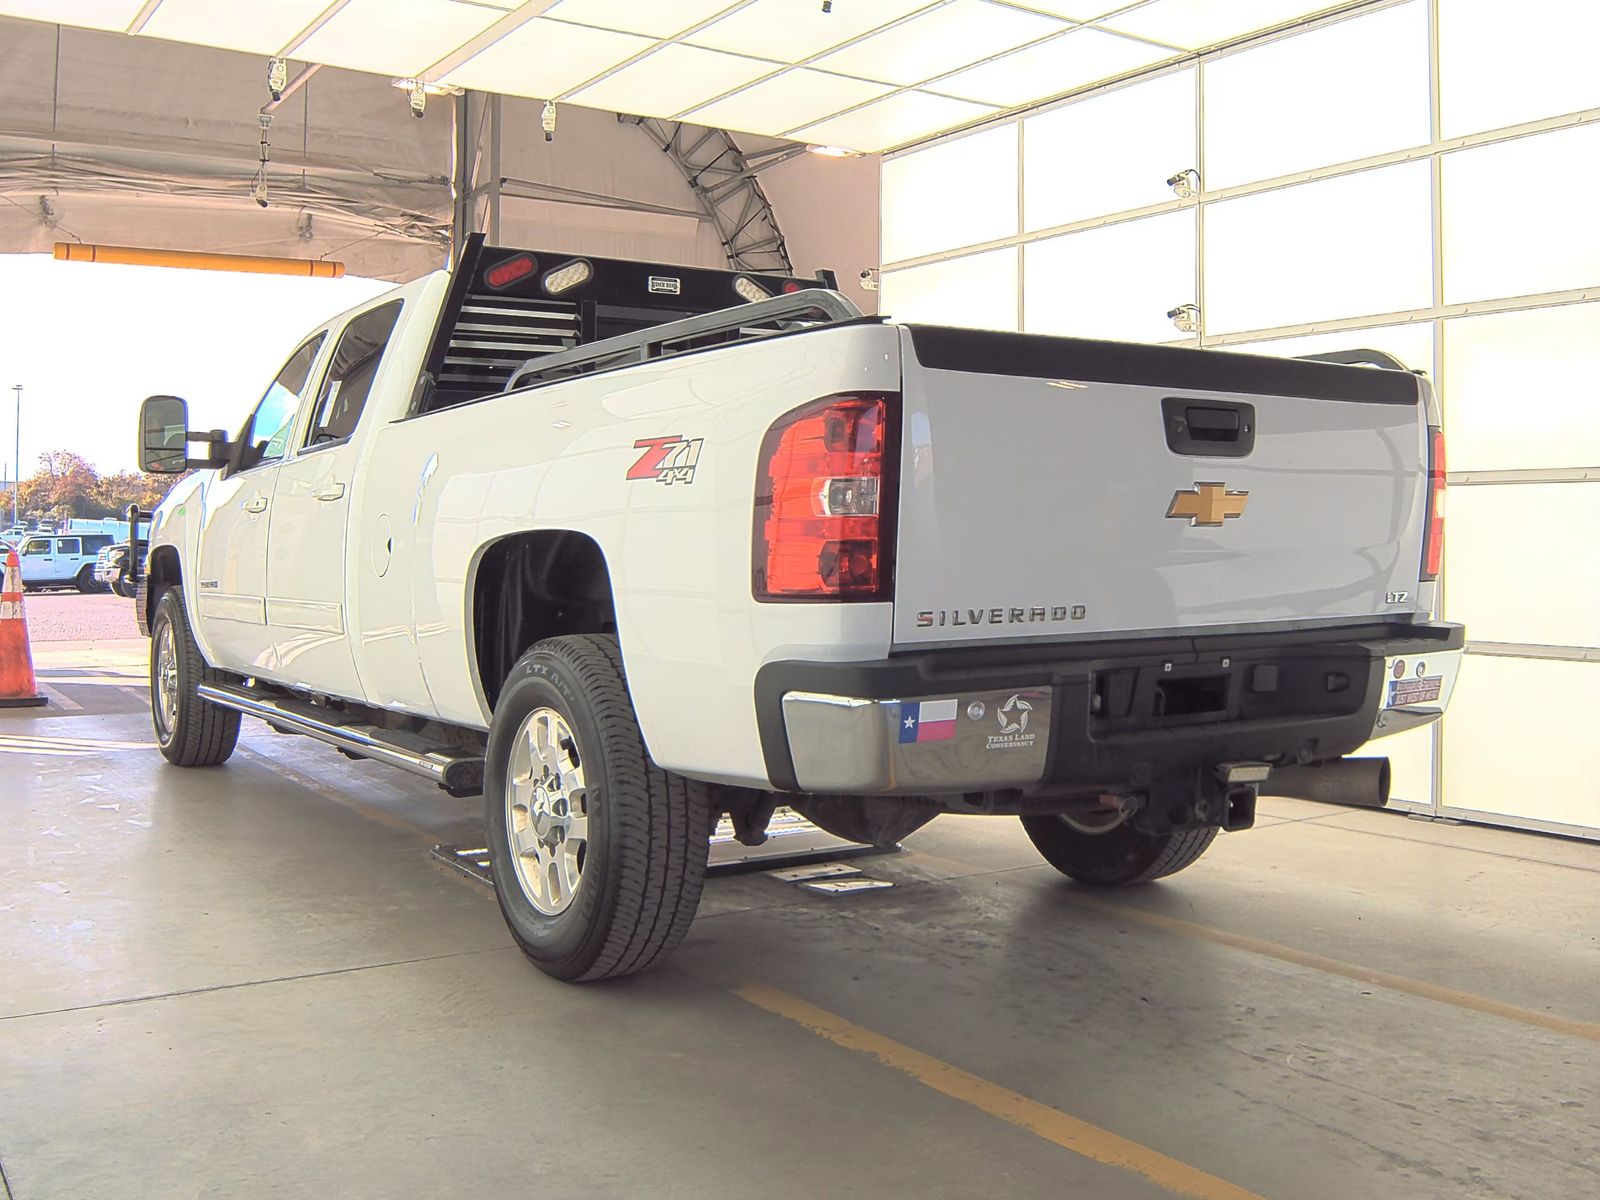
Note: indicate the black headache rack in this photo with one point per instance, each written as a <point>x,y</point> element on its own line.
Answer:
<point>507,307</point>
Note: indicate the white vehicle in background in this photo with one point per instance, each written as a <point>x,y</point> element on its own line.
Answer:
<point>625,546</point>
<point>61,560</point>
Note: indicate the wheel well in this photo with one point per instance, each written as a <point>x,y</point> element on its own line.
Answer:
<point>532,586</point>
<point>162,571</point>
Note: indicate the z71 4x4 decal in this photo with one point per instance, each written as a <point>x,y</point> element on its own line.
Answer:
<point>668,460</point>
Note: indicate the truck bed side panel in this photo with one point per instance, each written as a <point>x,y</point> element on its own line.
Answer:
<point>559,456</point>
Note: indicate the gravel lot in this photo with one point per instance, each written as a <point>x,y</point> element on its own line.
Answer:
<point>74,617</point>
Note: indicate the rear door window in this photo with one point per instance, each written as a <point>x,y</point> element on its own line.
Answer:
<point>349,380</point>
<point>70,546</point>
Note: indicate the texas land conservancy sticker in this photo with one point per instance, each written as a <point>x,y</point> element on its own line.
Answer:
<point>1013,720</point>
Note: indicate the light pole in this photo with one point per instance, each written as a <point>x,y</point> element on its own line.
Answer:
<point>16,484</point>
<point>16,469</point>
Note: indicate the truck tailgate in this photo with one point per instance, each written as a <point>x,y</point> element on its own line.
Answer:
<point>1052,487</point>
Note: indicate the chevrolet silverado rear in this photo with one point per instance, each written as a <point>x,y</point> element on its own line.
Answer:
<point>1131,586</point>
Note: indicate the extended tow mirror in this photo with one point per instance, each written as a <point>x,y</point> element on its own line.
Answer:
<point>164,438</point>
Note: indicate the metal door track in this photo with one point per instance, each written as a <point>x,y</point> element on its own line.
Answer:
<point>792,841</point>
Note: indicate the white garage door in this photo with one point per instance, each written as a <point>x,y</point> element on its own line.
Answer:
<point>1417,178</point>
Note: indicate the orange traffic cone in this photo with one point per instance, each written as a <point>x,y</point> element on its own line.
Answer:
<point>18,688</point>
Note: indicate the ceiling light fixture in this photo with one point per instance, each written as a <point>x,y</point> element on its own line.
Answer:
<point>418,91</point>
<point>833,151</point>
<point>277,76</point>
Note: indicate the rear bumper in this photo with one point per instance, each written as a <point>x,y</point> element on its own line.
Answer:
<point>1097,716</point>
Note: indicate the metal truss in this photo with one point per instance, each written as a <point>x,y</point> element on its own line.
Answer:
<point>723,180</point>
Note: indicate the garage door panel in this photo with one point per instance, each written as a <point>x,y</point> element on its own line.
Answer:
<point>1519,740</point>
<point>1518,566</point>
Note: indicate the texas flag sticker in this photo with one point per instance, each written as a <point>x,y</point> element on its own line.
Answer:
<point>928,721</point>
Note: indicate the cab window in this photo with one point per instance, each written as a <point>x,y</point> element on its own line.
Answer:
<point>40,546</point>
<point>69,546</point>
<point>265,437</point>
<point>349,380</point>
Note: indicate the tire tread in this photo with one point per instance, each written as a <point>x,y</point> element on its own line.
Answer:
<point>205,735</point>
<point>662,821</point>
<point>1123,857</point>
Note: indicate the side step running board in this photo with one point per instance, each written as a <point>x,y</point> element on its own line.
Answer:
<point>457,772</point>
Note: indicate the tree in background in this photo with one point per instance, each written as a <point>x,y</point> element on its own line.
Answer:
<point>117,491</point>
<point>66,486</point>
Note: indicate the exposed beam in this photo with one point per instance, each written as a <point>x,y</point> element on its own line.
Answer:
<point>317,23</point>
<point>533,189</point>
<point>741,214</point>
<point>511,21</point>
<point>142,18</point>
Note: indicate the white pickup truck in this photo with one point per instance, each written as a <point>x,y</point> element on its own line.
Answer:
<point>625,546</point>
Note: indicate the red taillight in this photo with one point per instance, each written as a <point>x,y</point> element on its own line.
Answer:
<point>1433,539</point>
<point>821,495</point>
<point>506,273</point>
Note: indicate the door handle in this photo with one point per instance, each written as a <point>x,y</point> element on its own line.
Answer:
<point>256,504</point>
<point>334,491</point>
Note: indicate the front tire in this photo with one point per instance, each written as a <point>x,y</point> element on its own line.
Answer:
<point>1120,857</point>
<point>190,731</point>
<point>598,854</point>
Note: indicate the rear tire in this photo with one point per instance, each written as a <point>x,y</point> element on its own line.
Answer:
<point>1121,857</point>
<point>87,583</point>
<point>190,731</point>
<point>598,854</point>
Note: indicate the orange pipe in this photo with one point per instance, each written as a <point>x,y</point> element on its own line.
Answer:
<point>255,264</point>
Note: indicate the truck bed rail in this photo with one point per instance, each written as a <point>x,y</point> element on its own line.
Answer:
<point>811,307</point>
<point>1359,358</point>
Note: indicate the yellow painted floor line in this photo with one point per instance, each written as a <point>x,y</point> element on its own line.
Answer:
<point>1051,1124</point>
<point>1588,1030</point>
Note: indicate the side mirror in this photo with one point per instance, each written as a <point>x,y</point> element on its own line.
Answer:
<point>164,438</point>
<point>164,435</point>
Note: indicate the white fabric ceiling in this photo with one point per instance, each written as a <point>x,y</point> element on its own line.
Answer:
<point>139,141</point>
<point>869,75</point>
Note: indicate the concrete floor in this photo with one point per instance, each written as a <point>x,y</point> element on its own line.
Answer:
<point>253,981</point>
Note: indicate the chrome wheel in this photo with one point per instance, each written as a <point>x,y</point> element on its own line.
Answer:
<point>547,811</point>
<point>164,674</point>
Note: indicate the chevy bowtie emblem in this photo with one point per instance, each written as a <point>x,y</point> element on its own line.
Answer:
<point>1208,504</point>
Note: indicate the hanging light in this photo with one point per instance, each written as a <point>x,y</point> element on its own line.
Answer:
<point>277,76</point>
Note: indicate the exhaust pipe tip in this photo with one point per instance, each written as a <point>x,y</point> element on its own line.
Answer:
<point>1355,782</point>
